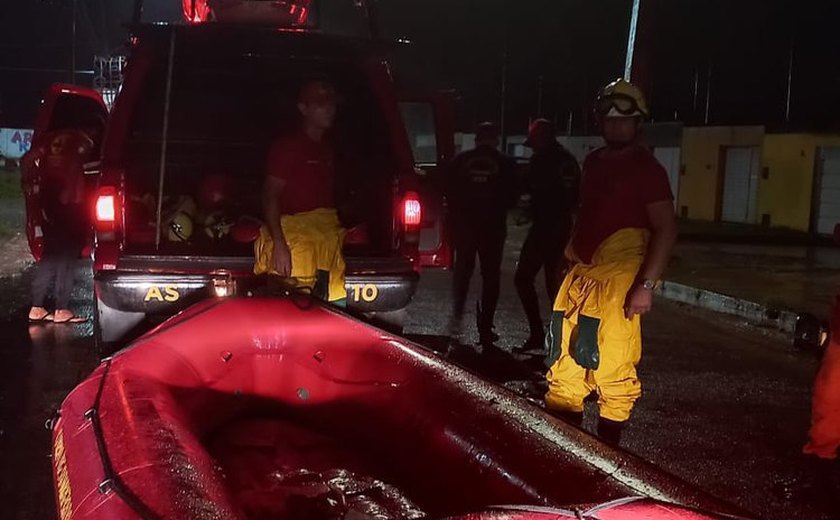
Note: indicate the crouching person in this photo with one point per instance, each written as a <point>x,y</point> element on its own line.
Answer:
<point>301,244</point>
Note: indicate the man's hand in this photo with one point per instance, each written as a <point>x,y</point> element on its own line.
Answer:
<point>282,259</point>
<point>639,301</point>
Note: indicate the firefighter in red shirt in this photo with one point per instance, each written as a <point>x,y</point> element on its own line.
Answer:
<point>621,243</point>
<point>302,240</point>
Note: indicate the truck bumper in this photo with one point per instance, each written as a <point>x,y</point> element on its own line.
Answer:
<point>125,300</point>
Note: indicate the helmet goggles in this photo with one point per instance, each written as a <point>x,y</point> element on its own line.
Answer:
<point>617,105</point>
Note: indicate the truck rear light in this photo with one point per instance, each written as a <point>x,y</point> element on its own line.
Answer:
<point>106,211</point>
<point>412,210</point>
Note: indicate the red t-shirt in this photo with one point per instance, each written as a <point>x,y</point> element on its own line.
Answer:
<point>307,168</point>
<point>616,188</point>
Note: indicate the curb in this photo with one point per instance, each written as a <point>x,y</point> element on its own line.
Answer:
<point>755,313</point>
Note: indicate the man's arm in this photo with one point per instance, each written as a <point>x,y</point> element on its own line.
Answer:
<point>662,240</point>
<point>271,204</point>
<point>31,159</point>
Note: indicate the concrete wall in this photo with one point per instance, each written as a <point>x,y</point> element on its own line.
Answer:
<point>663,135</point>
<point>786,187</point>
<point>701,156</point>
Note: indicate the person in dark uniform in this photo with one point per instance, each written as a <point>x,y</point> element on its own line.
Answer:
<point>552,181</point>
<point>481,187</point>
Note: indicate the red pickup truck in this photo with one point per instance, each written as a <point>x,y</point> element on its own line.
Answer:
<point>201,104</point>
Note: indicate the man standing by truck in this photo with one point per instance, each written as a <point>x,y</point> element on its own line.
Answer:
<point>301,242</point>
<point>552,181</point>
<point>621,243</point>
<point>58,165</point>
<point>480,189</point>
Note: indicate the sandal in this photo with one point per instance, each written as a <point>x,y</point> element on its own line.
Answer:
<point>40,315</point>
<point>65,316</point>
<point>74,319</point>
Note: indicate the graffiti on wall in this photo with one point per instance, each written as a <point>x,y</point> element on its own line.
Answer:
<point>14,142</point>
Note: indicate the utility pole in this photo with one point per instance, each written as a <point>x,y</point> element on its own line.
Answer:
<point>708,94</point>
<point>503,109</point>
<point>631,40</point>
<point>73,44</point>
<point>696,91</point>
<point>638,66</point>
<point>789,84</point>
<point>502,128</point>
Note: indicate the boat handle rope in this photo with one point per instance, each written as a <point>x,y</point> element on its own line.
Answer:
<point>111,481</point>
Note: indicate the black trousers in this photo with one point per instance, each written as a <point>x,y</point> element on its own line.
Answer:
<point>543,249</point>
<point>55,270</point>
<point>489,246</point>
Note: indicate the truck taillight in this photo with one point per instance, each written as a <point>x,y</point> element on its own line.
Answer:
<point>106,211</point>
<point>412,210</point>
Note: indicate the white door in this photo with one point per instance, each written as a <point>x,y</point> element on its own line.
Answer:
<point>669,158</point>
<point>740,185</point>
<point>828,209</point>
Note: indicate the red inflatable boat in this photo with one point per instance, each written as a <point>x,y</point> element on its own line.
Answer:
<point>268,408</point>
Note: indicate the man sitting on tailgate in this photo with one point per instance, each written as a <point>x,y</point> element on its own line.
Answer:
<point>302,239</point>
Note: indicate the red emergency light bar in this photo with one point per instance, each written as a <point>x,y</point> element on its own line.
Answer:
<point>281,13</point>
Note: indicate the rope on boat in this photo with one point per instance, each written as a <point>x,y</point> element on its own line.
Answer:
<point>111,480</point>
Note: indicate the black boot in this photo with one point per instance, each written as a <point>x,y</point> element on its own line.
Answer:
<point>533,346</point>
<point>486,336</point>
<point>610,431</point>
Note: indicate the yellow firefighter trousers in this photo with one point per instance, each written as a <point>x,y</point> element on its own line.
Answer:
<point>315,239</point>
<point>589,314</point>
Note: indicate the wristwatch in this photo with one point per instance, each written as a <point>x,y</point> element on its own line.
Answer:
<point>649,285</point>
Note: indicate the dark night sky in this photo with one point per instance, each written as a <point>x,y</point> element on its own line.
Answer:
<point>576,45</point>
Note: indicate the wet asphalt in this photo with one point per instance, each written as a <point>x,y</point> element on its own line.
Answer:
<point>725,405</point>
